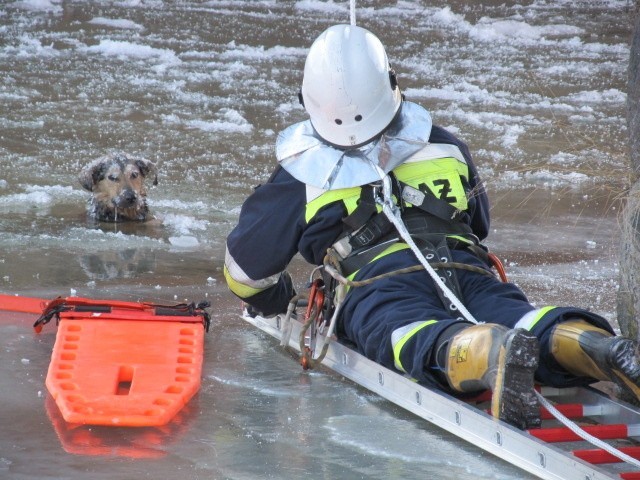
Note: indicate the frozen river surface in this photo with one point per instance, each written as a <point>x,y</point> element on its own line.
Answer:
<point>536,88</point>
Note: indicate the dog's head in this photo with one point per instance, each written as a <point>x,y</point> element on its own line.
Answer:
<point>117,184</point>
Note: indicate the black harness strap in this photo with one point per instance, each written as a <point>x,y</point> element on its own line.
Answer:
<point>364,211</point>
<point>440,252</point>
<point>420,223</point>
<point>371,232</point>
<point>428,202</point>
<point>365,227</point>
<point>354,263</point>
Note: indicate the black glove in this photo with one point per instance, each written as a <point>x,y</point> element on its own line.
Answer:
<point>252,312</point>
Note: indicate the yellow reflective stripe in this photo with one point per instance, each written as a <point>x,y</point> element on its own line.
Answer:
<point>461,239</point>
<point>539,314</point>
<point>397,347</point>
<point>396,247</point>
<point>240,289</point>
<point>441,176</point>
<point>349,196</point>
<point>416,170</point>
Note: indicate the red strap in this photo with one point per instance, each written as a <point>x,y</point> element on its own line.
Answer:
<point>497,264</point>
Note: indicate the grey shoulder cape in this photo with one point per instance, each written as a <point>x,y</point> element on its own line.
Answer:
<point>303,154</point>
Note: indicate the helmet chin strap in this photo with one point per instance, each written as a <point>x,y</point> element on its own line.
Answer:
<point>391,211</point>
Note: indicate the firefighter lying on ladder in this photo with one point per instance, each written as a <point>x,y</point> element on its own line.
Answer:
<point>321,198</point>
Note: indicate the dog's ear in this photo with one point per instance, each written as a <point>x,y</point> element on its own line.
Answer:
<point>92,173</point>
<point>147,167</point>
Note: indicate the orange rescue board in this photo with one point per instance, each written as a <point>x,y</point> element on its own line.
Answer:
<point>124,363</point>
<point>15,303</point>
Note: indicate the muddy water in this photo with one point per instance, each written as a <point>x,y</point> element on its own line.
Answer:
<point>536,88</point>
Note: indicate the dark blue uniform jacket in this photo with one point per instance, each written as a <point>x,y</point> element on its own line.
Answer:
<point>272,229</point>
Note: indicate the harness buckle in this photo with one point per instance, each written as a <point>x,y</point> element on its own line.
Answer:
<point>343,247</point>
<point>412,195</point>
<point>366,235</point>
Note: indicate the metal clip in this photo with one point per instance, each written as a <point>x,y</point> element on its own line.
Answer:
<point>412,195</point>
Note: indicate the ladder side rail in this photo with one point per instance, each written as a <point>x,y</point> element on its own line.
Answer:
<point>453,415</point>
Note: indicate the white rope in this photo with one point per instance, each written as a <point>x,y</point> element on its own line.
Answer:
<point>352,12</point>
<point>584,435</point>
<point>390,209</point>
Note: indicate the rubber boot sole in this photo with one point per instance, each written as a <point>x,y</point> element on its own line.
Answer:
<point>621,367</point>
<point>514,400</point>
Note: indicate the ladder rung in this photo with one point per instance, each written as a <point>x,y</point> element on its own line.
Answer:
<point>602,432</point>
<point>630,476</point>
<point>569,410</point>
<point>597,455</point>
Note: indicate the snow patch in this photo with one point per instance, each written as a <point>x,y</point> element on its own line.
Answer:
<point>227,120</point>
<point>127,50</point>
<point>248,52</point>
<point>611,95</point>
<point>329,6</point>
<point>116,23</point>
<point>184,241</point>
<point>39,5</point>
<point>184,224</point>
<point>40,195</point>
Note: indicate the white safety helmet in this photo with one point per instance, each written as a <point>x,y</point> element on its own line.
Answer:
<point>348,89</point>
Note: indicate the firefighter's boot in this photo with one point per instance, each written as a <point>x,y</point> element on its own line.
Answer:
<point>588,351</point>
<point>490,356</point>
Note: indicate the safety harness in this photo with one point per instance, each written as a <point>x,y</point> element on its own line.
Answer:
<point>434,224</point>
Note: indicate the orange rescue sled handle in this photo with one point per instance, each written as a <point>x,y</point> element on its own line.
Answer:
<point>114,309</point>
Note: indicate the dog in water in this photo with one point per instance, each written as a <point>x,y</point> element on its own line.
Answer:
<point>117,182</point>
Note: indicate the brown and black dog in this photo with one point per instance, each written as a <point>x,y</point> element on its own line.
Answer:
<point>117,184</point>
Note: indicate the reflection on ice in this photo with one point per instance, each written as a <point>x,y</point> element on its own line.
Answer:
<point>359,433</point>
<point>120,264</point>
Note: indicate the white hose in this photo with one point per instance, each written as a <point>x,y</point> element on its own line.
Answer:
<point>352,12</point>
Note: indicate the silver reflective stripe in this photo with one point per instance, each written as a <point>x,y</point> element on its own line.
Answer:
<point>434,151</point>
<point>527,319</point>
<point>401,336</point>
<point>313,192</point>
<point>399,333</point>
<point>240,276</point>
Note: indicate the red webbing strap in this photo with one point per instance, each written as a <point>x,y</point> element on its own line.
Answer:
<point>497,264</point>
